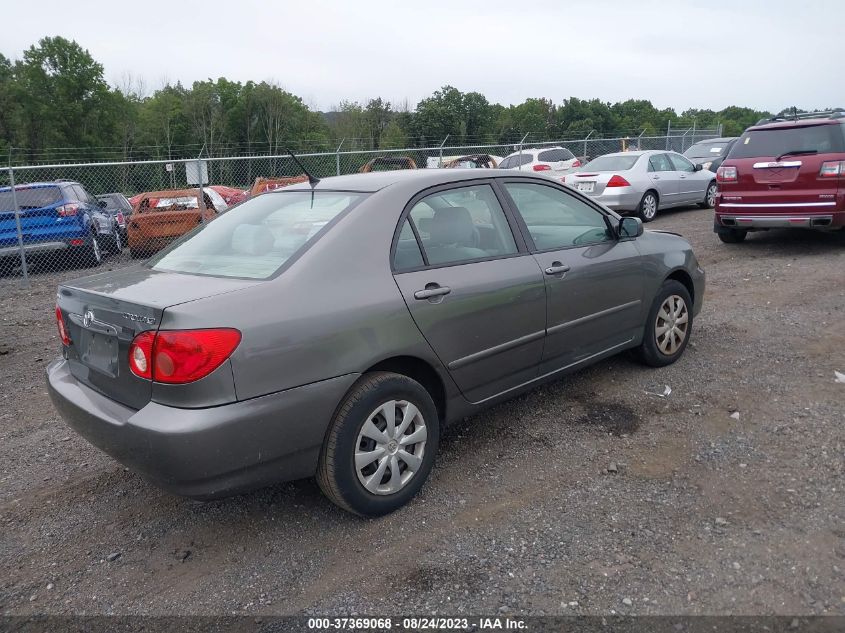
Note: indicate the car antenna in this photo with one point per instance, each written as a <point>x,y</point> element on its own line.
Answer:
<point>312,180</point>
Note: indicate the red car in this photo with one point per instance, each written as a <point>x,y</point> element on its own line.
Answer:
<point>784,172</point>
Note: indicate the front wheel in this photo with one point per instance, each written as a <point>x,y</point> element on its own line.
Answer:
<point>669,326</point>
<point>381,445</point>
<point>709,197</point>
<point>648,207</point>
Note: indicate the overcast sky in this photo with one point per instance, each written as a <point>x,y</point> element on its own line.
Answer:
<point>763,54</point>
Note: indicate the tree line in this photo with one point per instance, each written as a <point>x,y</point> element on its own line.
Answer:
<point>56,105</point>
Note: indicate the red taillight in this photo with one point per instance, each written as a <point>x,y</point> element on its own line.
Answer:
<point>726,174</point>
<point>577,163</point>
<point>141,355</point>
<point>617,181</point>
<point>541,168</point>
<point>833,169</point>
<point>77,242</point>
<point>67,210</point>
<point>181,356</point>
<point>61,324</point>
<point>120,218</point>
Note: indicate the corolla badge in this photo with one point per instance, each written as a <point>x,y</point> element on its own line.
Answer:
<point>87,318</point>
<point>138,318</point>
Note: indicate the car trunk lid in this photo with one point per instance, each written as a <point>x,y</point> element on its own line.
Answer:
<point>104,313</point>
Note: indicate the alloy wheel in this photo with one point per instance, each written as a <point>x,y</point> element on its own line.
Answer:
<point>649,206</point>
<point>711,196</point>
<point>390,447</point>
<point>672,325</point>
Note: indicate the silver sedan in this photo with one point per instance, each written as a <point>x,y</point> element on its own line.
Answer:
<point>644,182</point>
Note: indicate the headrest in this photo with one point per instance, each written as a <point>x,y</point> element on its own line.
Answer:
<point>252,239</point>
<point>452,225</point>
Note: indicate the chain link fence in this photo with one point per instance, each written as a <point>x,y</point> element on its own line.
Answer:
<point>71,219</point>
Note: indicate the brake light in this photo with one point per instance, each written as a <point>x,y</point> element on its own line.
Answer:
<point>577,163</point>
<point>726,174</point>
<point>60,322</point>
<point>67,210</point>
<point>541,168</point>
<point>181,356</point>
<point>617,181</point>
<point>76,242</point>
<point>120,218</point>
<point>832,169</point>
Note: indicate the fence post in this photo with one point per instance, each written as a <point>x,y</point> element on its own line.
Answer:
<point>520,149</point>
<point>693,132</point>
<point>337,155</point>
<point>585,143</point>
<point>639,140</point>
<point>17,210</point>
<point>200,200</point>
<point>440,164</point>
<point>668,133</point>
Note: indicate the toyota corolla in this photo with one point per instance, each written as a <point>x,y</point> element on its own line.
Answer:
<point>332,328</point>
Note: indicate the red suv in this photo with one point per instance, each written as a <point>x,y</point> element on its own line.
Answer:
<point>785,172</point>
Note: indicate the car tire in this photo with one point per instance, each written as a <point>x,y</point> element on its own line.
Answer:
<point>91,255</point>
<point>668,327</point>
<point>360,426</point>
<point>115,243</point>
<point>732,236</point>
<point>647,209</point>
<point>709,197</point>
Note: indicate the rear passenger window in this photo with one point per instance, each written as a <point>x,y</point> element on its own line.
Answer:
<point>659,162</point>
<point>407,255</point>
<point>463,224</point>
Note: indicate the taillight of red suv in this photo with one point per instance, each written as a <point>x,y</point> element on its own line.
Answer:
<point>726,174</point>
<point>833,169</point>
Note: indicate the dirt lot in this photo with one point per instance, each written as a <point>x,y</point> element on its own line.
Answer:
<point>707,513</point>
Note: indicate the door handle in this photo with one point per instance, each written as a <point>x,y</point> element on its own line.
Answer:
<point>432,291</point>
<point>557,269</point>
<point>656,177</point>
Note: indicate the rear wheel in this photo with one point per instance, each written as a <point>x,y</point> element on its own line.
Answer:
<point>709,197</point>
<point>669,326</point>
<point>648,206</point>
<point>732,236</point>
<point>90,255</point>
<point>115,242</point>
<point>381,445</point>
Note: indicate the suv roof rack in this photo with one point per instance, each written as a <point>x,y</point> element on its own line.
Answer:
<point>836,113</point>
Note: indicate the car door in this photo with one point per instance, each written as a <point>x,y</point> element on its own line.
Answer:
<point>691,183</point>
<point>663,178</point>
<point>594,285</point>
<point>474,291</point>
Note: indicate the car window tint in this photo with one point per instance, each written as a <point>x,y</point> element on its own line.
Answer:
<point>681,163</point>
<point>462,224</point>
<point>29,197</point>
<point>256,238</point>
<point>776,141</point>
<point>408,255</point>
<point>555,155</point>
<point>516,160</point>
<point>556,219</point>
<point>659,162</point>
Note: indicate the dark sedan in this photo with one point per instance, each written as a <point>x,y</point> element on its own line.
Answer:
<point>333,328</point>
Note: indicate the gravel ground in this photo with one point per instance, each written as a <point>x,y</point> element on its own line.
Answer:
<point>707,512</point>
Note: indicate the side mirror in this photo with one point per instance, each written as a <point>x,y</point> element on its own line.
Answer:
<point>630,228</point>
<point>698,167</point>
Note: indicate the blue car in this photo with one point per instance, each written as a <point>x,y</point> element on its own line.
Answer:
<point>57,219</point>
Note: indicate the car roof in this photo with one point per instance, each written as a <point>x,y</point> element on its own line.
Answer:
<point>775,125</point>
<point>724,139</point>
<point>39,185</point>
<point>642,152</point>
<point>375,181</point>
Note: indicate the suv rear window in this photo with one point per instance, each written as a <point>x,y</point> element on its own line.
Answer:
<point>824,139</point>
<point>555,155</point>
<point>516,160</point>
<point>29,197</point>
<point>258,237</point>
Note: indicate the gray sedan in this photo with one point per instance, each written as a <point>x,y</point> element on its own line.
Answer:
<point>644,182</point>
<point>333,329</point>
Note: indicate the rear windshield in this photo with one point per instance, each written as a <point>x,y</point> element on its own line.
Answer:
<point>516,160</point>
<point>611,163</point>
<point>705,150</point>
<point>255,239</point>
<point>824,139</point>
<point>555,155</point>
<point>30,197</point>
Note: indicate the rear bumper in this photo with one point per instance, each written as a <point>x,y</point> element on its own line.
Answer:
<point>205,453</point>
<point>625,200</point>
<point>742,219</point>
<point>34,249</point>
